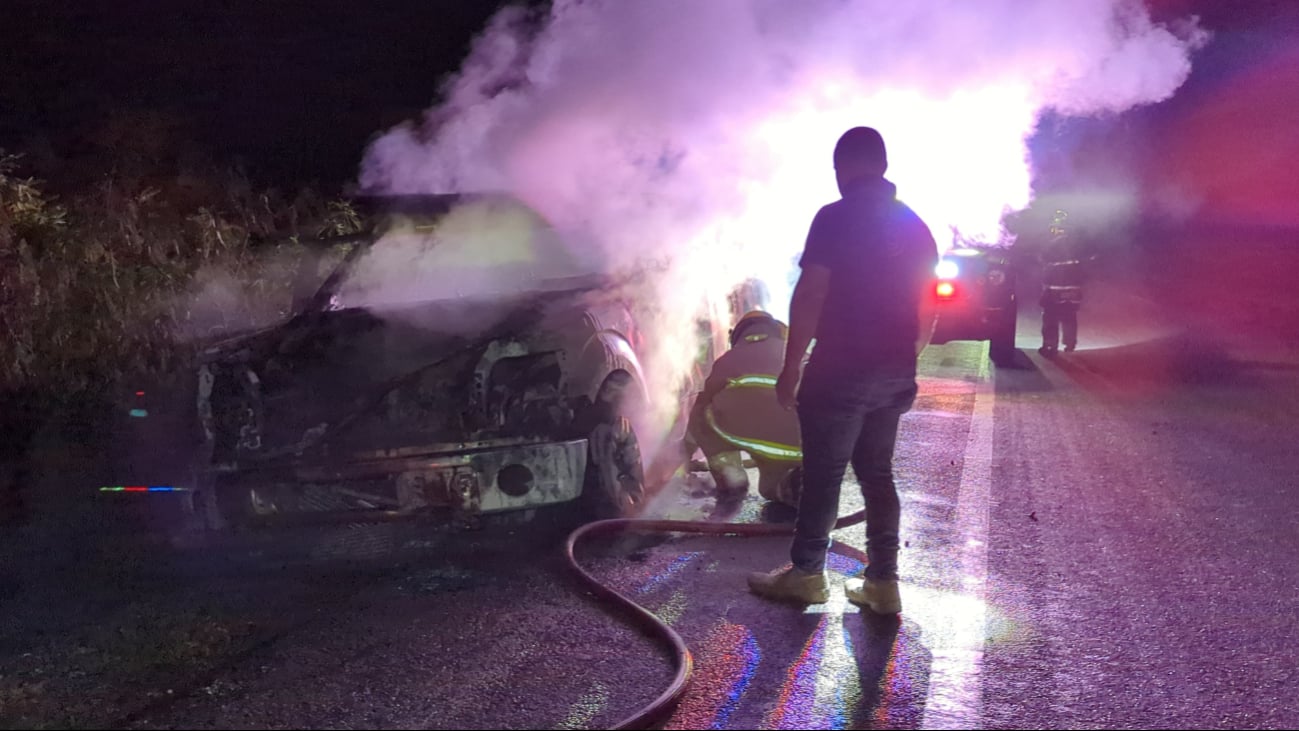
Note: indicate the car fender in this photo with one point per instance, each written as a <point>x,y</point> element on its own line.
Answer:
<point>604,352</point>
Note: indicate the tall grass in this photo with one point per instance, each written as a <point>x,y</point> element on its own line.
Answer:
<point>119,280</point>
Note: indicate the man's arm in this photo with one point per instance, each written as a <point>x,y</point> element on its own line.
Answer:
<point>805,312</point>
<point>806,303</point>
<point>928,308</point>
<point>928,316</point>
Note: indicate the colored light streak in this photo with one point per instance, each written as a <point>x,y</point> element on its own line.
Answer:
<point>896,694</point>
<point>671,610</point>
<point>838,563</point>
<point>587,707</point>
<point>673,568</point>
<point>751,655</point>
<point>143,488</point>
<point>823,686</point>
<point>724,669</point>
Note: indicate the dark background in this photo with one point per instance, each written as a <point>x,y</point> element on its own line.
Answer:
<point>295,89</point>
<point>292,91</point>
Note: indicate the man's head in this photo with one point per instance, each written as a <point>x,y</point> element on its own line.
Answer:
<point>859,154</point>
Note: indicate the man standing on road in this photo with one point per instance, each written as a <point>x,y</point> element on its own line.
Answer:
<point>864,294</point>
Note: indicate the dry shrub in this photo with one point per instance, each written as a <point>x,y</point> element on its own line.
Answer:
<point>123,279</point>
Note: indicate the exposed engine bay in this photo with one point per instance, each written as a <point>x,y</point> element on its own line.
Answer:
<point>463,405</point>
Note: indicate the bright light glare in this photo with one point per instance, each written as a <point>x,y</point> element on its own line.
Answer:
<point>945,289</point>
<point>695,148</point>
<point>947,269</point>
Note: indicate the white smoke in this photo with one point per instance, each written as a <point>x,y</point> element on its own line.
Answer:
<point>697,135</point>
<point>225,298</point>
<point>487,246</point>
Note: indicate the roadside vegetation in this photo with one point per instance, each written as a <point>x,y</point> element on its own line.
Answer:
<point>115,268</point>
<point>123,278</point>
<point>118,262</point>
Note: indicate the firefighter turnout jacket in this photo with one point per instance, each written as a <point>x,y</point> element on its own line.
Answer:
<point>1062,272</point>
<point>740,405</point>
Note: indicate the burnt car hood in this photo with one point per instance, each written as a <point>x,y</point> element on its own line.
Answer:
<point>279,392</point>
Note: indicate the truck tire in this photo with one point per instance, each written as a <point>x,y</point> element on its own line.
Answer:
<point>614,483</point>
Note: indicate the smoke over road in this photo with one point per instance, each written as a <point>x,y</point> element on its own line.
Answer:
<point>696,136</point>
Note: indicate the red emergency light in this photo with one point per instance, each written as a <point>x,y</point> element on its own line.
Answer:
<point>945,290</point>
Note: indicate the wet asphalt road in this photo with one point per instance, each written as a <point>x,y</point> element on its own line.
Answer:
<point>1103,540</point>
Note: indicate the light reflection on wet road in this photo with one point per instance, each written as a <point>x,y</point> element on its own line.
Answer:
<point>764,674</point>
<point>955,694</point>
<point>1085,545</point>
<point>1010,618</point>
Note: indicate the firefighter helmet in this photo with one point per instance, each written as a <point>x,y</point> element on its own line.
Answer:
<point>758,325</point>
<point>1057,223</point>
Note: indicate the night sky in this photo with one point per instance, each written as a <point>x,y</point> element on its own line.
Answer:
<point>296,89</point>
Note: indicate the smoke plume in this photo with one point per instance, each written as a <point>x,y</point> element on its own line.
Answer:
<point>696,136</point>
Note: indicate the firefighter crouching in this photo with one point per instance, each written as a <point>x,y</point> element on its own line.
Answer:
<point>737,411</point>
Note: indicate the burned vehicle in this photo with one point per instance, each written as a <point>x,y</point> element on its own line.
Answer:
<point>496,377</point>
<point>974,288</point>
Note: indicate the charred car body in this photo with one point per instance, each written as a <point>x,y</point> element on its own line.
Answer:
<point>479,400</point>
<point>975,292</point>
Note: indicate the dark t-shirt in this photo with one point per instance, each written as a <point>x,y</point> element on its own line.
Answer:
<point>880,255</point>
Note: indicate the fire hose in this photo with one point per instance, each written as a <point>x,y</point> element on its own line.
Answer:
<point>662,706</point>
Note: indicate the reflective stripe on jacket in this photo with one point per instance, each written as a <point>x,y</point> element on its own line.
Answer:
<point>741,401</point>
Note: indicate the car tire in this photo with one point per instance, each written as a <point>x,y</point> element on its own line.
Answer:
<point>614,482</point>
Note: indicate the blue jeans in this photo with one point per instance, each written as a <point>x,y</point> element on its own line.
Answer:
<point>850,419</point>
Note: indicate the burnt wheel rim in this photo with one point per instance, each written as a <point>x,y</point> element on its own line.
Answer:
<point>617,459</point>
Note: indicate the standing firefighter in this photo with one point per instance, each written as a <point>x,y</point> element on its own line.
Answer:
<point>1062,288</point>
<point>864,291</point>
<point>738,410</point>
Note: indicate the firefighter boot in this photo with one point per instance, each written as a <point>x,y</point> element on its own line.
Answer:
<point>878,595</point>
<point>728,472</point>
<point>791,585</point>
<point>780,483</point>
